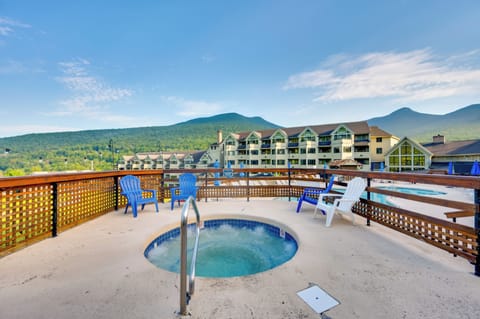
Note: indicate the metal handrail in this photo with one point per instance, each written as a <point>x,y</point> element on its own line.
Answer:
<point>184,294</point>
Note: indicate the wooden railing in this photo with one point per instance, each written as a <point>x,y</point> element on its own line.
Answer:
<point>36,207</point>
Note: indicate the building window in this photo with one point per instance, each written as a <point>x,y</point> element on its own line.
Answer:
<point>342,133</point>
<point>336,150</point>
<point>347,149</point>
<point>419,160</point>
<point>311,150</point>
<point>281,162</point>
<point>308,136</point>
<point>303,162</point>
<point>379,140</point>
<point>254,152</point>
<point>324,139</point>
<point>303,151</point>
<point>294,161</point>
<point>278,138</point>
<point>379,150</point>
<point>407,157</point>
<point>252,140</point>
<point>311,162</point>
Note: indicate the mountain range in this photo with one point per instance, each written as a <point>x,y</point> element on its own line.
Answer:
<point>462,124</point>
<point>73,150</point>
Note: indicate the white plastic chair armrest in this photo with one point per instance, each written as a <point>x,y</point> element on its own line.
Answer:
<point>320,198</point>
<point>346,200</point>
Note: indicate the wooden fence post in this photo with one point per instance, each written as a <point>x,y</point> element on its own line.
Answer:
<point>115,185</point>
<point>369,183</point>
<point>476,200</point>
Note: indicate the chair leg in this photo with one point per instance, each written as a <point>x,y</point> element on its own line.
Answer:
<point>156,206</point>
<point>134,210</point>
<point>316,209</point>
<point>126,208</point>
<point>299,206</point>
<point>330,214</point>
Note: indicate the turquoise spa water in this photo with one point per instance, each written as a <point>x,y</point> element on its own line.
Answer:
<point>228,250</point>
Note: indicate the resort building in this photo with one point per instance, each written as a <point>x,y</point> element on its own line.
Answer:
<point>308,146</point>
<point>409,155</point>
<point>165,160</point>
<point>362,145</point>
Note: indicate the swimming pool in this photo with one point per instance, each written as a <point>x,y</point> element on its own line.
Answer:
<point>383,199</point>
<point>412,190</point>
<point>227,248</point>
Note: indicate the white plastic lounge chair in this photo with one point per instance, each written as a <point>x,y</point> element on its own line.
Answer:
<point>343,204</point>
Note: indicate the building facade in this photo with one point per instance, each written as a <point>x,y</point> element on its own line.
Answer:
<point>409,155</point>
<point>308,146</point>
<point>302,147</point>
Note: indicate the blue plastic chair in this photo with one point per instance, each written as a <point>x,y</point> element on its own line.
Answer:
<point>132,191</point>
<point>310,195</point>
<point>185,188</point>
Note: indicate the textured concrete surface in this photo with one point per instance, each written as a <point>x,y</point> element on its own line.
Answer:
<point>97,270</point>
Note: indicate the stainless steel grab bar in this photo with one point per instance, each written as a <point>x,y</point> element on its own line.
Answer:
<point>184,294</point>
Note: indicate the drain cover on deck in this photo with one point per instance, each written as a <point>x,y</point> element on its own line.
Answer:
<point>319,300</point>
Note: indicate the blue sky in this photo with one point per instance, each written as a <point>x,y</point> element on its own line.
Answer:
<point>78,65</point>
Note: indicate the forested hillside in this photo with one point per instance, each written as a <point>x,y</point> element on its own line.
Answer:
<point>462,124</point>
<point>81,150</point>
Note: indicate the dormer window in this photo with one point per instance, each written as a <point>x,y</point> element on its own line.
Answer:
<point>308,135</point>
<point>342,133</point>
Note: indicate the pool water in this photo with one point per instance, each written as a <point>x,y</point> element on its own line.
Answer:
<point>227,248</point>
<point>414,191</point>
<point>383,199</point>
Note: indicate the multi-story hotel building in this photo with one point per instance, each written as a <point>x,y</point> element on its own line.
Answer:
<point>302,147</point>
<point>308,146</point>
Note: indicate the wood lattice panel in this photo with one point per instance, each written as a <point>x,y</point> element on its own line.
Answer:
<point>80,201</point>
<point>244,191</point>
<point>26,214</point>
<point>146,182</point>
<point>455,238</point>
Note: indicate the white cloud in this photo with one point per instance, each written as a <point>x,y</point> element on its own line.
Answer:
<point>90,96</point>
<point>8,26</point>
<point>190,108</point>
<point>406,77</point>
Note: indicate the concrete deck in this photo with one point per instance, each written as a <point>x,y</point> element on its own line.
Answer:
<point>97,270</point>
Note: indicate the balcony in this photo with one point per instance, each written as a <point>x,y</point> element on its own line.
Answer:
<point>76,273</point>
<point>325,143</point>
<point>362,140</point>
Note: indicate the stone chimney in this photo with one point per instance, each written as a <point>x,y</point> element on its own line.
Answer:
<point>219,136</point>
<point>439,139</point>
